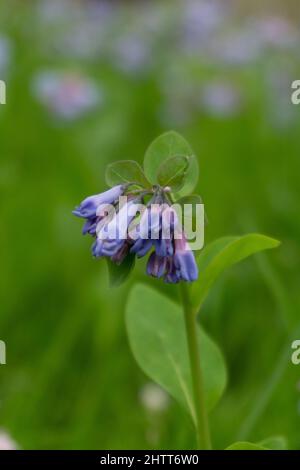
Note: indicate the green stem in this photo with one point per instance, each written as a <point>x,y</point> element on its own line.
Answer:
<point>202,424</point>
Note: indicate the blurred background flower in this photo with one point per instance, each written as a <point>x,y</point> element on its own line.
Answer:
<point>5,55</point>
<point>220,99</point>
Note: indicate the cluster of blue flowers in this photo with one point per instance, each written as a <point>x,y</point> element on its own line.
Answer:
<point>118,231</point>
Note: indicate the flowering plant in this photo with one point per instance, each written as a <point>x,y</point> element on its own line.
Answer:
<point>139,216</point>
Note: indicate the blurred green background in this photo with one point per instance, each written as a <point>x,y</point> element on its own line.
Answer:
<point>89,82</point>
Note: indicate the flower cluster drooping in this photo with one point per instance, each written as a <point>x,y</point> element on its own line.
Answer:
<point>123,224</point>
<point>67,95</point>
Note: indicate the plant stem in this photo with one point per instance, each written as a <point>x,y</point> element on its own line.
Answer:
<point>202,424</point>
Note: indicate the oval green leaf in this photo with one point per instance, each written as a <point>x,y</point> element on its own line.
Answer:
<point>169,145</point>
<point>172,172</point>
<point>124,172</point>
<point>156,331</point>
<point>221,254</point>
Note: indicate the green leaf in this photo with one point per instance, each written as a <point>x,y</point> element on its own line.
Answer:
<point>192,199</point>
<point>156,331</point>
<point>172,172</point>
<point>118,273</point>
<point>125,171</point>
<point>274,443</point>
<point>241,445</point>
<point>169,145</point>
<point>221,254</point>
